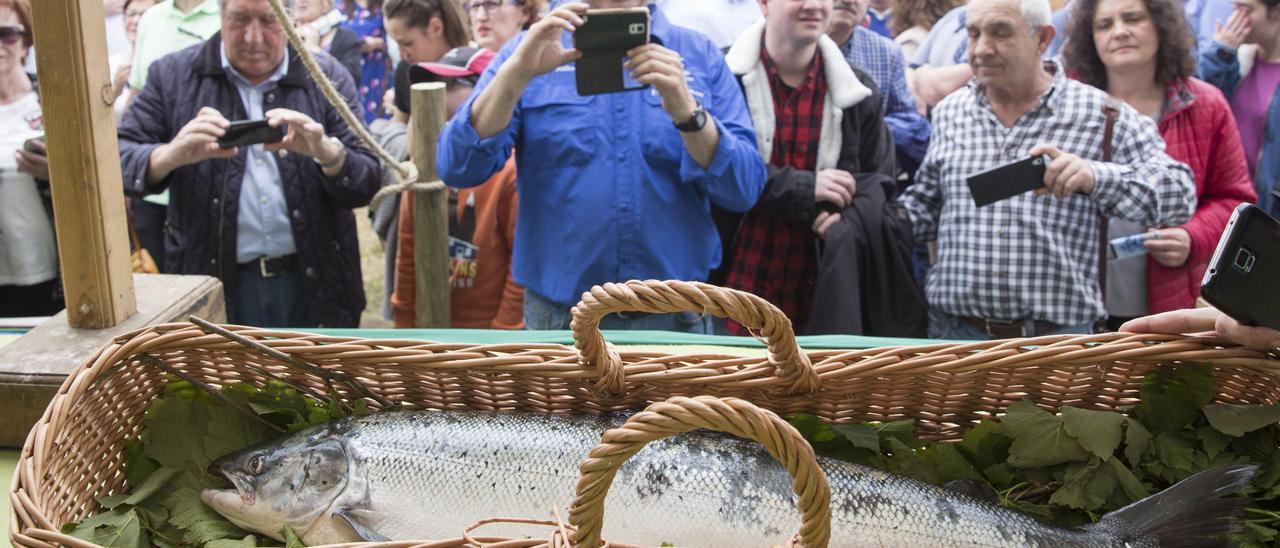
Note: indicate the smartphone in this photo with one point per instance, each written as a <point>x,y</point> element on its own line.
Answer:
<point>1243,279</point>
<point>250,132</point>
<point>30,144</point>
<point>1007,181</point>
<point>604,39</point>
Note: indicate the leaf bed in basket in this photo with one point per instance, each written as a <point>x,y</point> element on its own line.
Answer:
<point>1067,469</point>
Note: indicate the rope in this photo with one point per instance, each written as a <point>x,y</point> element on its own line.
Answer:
<point>406,172</point>
<point>402,186</point>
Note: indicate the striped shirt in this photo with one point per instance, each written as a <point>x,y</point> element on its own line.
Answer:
<point>1036,257</point>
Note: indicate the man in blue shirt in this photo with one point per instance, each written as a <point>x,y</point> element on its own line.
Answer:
<point>882,59</point>
<point>612,187</point>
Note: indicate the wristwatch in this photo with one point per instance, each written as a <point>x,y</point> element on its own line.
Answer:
<point>342,153</point>
<point>696,122</point>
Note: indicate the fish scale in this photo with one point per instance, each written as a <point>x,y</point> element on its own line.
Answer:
<point>431,474</point>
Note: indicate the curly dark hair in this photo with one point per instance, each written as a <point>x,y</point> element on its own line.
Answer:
<point>1174,60</point>
<point>924,13</point>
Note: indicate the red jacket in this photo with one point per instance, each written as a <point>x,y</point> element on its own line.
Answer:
<point>1200,132</point>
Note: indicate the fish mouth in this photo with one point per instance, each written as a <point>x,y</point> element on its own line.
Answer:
<point>243,487</point>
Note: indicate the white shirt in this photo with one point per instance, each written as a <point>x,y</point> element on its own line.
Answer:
<point>722,20</point>
<point>28,253</point>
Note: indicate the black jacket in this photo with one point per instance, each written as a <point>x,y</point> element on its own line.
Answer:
<point>203,198</point>
<point>345,47</point>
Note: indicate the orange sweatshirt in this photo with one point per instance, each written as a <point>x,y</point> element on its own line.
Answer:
<point>482,229</point>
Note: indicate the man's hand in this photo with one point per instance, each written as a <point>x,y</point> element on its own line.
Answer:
<point>1170,247</point>
<point>836,186</point>
<point>35,164</point>
<point>302,136</point>
<point>1066,173</point>
<point>824,222</point>
<point>654,65</point>
<point>1206,320</point>
<point>1234,34</point>
<point>196,142</point>
<point>541,51</point>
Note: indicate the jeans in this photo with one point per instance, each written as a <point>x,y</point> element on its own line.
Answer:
<point>269,302</point>
<point>946,326</point>
<point>541,313</point>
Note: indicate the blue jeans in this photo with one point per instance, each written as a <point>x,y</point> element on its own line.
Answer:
<point>946,326</point>
<point>269,302</point>
<point>541,313</point>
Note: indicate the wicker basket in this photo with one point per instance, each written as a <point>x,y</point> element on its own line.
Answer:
<point>74,454</point>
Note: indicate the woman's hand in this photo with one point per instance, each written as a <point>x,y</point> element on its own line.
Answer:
<point>1170,247</point>
<point>372,44</point>
<point>1234,34</point>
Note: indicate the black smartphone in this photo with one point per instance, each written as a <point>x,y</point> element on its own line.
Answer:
<point>30,145</point>
<point>1007,181</point>
<point>604,39</point>
<point>1243,279</point>
<point>250,132</point>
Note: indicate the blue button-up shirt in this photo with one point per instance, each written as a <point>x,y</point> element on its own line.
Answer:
<point>882,59</point>
<point>948,42</point>
<point>262,228</point>
<point>608,191</point>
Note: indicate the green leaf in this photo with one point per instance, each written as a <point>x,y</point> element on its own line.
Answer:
<point>1097,431</point>
<point>950,463</point>
<point>1174,451</point>
<point>1137,439</point>
<point>1129,484</point>
<point>153,484</point>
<point>1238,420</point>
<point>903,431</point>
<point>1213,440</point>
<point>1039,438</point>
<point>859,435</point>
<point>177,425</point>
<point>137,465</point>
<point>291,539</point>
<point>906,462</point>
<point>1086,486</point>
<point>983,446</point>
<point>812,428</point>
<point>999,475</point>
<point>199,523</point>
<point>249,541</point>
<point>1171,397</point>
<point>117,528</point>
<point>1257,445</point>
<point>230,431</point>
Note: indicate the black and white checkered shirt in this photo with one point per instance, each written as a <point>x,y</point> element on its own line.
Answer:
<point>1036,257</point>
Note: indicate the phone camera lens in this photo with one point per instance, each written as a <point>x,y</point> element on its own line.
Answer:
<point>1244,260</point>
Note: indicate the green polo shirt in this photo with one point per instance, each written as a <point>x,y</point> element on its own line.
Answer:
<point>164,30</point>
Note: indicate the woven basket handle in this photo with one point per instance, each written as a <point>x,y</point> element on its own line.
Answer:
<point>680,414</point>
<point>658,297</point>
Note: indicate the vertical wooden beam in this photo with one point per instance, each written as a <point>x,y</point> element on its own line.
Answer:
<point>430,210</point>
<point>84,161</point>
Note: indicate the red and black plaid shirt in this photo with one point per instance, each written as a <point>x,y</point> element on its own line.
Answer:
<point>771,257</point>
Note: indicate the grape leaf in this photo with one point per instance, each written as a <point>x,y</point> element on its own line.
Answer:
<point>1086,486</point>
<point>983,446</point>
<point>1213,440</point>
<point>1238,420</point>
<point>1039,438</point>
<point>1137,439</point>
<point>1171,397</point>
<point>1129,483</point>
<point>119,528</point>
<point>1097,431</point>
<point>859,435</point>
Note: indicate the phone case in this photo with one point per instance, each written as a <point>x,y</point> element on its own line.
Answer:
<point>604,39</point>
<point>1007,181</point>
<point>1243,279</point>
<point>250,132</point>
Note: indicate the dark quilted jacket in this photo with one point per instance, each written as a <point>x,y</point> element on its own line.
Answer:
<point>203,198</point>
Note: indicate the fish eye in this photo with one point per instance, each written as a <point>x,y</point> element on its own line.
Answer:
<point>255,464</point>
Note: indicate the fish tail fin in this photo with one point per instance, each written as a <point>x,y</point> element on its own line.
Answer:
<point>1198,511</point>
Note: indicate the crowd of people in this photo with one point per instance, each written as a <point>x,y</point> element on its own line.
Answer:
<point>813,152</point>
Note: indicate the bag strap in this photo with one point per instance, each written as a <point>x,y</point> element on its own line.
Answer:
<point>1112,111</point>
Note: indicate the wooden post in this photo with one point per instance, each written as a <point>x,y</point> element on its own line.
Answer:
<point>430,210</point>
<point>84,161</point>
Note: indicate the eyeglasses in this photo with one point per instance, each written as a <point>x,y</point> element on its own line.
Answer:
<point>12,34</point>
<point>488,6</point>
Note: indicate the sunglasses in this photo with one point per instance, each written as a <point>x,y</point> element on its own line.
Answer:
<point>12,34</point>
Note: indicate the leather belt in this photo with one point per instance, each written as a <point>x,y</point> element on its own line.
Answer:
<point>999,329</point>
<point>272,266</point>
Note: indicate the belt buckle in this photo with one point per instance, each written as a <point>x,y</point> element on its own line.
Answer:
<point>1022,327</point>
<point>262,267</point>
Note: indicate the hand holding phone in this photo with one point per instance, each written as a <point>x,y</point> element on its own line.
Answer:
<point>541,50</point>
<point>1006,181</point>
<point>1244,273</point>
<point>1066,174</point>
<point>249,132</point>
